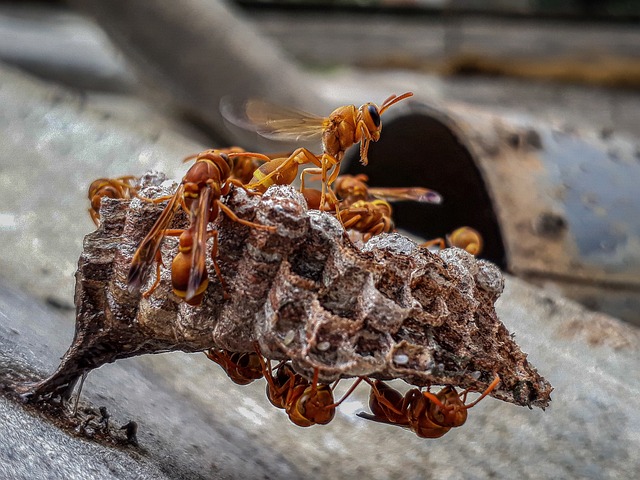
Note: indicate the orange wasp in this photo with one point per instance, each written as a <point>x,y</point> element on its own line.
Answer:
<point>306,403</point>
<point>348,189</point>
<point>344,127</point>
<point>241,367</point>
<point>244,166</point>
<point>367,217</point>
<point>120,187</point>
<point>351,188</point>
<point>466,238</point>
<point>428,415</point>
<point>181,266</point>
<point>199,195</point>
<point>365,209</point>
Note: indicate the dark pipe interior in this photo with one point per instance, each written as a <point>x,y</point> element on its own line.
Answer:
<point>418,150</point>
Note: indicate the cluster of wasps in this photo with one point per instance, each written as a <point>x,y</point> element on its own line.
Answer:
<point>364,211</point>
<point>427,414</point>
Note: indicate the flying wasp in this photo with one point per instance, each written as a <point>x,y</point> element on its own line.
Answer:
<point>199,195</point>
<point>344,127</point>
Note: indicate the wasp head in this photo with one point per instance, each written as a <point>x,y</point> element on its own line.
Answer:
<point>449,411</point>
<point>370,115</point>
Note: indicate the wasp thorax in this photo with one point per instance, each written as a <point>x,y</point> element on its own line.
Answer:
<point>351,188</point>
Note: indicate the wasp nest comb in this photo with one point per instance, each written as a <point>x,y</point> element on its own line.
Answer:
<point>303,292</point>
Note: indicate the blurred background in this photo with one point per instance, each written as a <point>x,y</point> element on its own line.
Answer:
<point>525,118</point>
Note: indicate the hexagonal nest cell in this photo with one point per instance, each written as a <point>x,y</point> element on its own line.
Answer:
<point>303,292</point>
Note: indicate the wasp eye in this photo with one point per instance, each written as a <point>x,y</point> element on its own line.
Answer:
<point>375,115</point>
<point>228,161</point>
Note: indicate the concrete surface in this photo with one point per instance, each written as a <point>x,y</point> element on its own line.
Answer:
<point>58,44</point>
<point>193,422</point>
<point>43,204</point>
<point>178,439</point>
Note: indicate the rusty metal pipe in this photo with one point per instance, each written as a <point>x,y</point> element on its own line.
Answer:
<point>556,207</point>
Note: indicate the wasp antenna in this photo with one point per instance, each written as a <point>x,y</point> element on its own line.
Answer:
<point>434,399</point>
<point>190,157</point>
<point>489,389</point>
<point>392,100</point>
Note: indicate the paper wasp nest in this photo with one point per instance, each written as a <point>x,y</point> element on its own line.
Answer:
<point>304,292</point>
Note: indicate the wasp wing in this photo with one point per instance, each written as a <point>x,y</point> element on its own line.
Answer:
<point>273,121</point>
<point>416,194</point>
<point>148,249</point>
<point>373,418</point>
<point>200,219</point>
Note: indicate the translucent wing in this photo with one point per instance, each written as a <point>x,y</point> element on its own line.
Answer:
<point>272,121</point>
<point>373,418</point>
<point>148,249</point>
<point>416,194</point>
<point>198,271</point>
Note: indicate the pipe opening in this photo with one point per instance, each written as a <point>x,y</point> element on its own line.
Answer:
<point>417,150</point>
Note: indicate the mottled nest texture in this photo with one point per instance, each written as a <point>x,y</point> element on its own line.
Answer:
<point>306,293</point>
